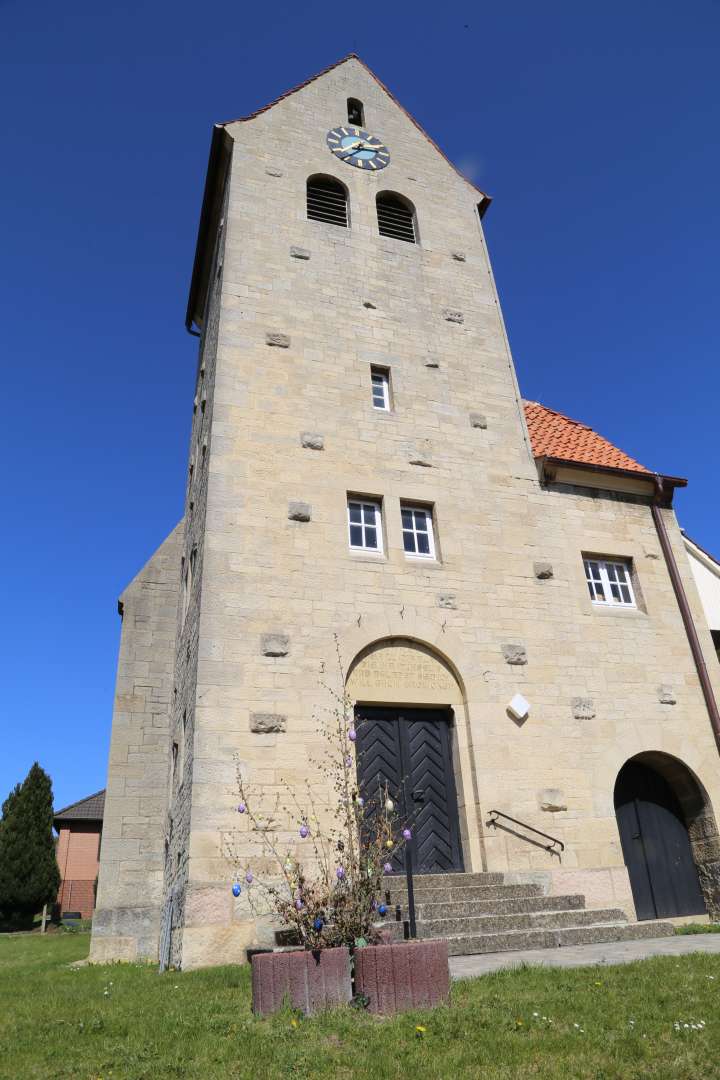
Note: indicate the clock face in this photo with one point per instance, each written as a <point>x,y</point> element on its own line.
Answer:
<point>358,147</point>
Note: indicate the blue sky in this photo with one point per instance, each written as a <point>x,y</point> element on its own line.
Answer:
<point>593,126</point>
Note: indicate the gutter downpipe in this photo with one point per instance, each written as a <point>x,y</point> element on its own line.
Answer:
<point>685,612</point>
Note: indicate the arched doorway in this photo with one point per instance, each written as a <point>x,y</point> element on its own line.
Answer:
<point>659,805</point>
<point>406,697</point>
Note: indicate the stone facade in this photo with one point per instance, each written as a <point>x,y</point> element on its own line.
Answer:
<point>288,342</point>
<point>126,923</point>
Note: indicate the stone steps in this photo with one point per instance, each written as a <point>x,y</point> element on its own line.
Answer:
<point>471,926</point>
<point>512,906</point>
<point>461,945</point>
<point>462,894</point>
<point>483,913</point>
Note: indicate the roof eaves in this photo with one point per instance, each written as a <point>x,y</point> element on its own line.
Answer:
<point>700,548</point>
<point>638,474</point>
<point>217,165</point>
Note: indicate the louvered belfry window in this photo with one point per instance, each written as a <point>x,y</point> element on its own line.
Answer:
<point>327,201</point>
<point>395,217</point>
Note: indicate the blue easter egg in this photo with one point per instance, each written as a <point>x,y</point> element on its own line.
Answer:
<point>236,890</point>
<point>382,909</point>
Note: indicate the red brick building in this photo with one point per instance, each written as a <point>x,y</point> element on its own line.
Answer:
<point>79,828</point>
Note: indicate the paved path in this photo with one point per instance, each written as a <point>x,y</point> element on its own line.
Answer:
<point>615,952</point>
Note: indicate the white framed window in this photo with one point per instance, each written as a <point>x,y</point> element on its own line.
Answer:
<point>364,525</point>
<point>609,582</point>
<point>417,530</point>
<point>380,378</point>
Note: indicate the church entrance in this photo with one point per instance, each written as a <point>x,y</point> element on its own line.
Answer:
<point>656,844</point>
<point>408,751</point>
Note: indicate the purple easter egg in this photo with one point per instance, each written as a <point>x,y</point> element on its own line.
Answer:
<point>407,835</point>
<point>387,868</point>
<point>241,808</point>
<point>304,831</point>
<point>352,735</point>
<point>340,872</point>
<point>249,877</point>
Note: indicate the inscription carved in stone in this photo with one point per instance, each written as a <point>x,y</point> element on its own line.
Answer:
<point>400,666</point>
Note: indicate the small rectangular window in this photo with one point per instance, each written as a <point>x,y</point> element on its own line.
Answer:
<point>364,525</point>
<point>609,582</point>
<point>380,388</point>
<point>417,530</point>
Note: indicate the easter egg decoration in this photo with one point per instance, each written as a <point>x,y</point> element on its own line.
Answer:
<point>236,890</point>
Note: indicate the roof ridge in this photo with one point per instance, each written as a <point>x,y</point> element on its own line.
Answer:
<point>381,84</point>
<point>79,802</point>
<point>564,416</point>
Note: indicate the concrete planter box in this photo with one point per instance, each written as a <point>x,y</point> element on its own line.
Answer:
<point>410,975</point>
<point>311,981</point>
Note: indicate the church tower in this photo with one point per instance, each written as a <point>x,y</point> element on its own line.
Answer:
<point>360,468</point>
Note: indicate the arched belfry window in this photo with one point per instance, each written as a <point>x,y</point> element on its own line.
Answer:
<point>396,217</point>
<point>327,200</point>
<point>355,111</point>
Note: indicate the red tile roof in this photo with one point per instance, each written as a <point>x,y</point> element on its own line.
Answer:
<point>554,435</point>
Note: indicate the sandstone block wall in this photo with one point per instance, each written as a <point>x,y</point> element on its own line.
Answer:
<point>354,300</point>
<point>298,313</point>
<point>126,923</point>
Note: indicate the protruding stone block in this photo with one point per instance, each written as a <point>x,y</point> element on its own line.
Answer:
<point>299,511</point>
<point>266,723</point>
<point>447,600</point>
<point>583,708</point>
<point>666,695</point>
<point>552,800</point>
<point>280,341</point>
<point>542,570</point>
<point>272,171</point>
<point>421,455</point>
<point>299,253</point>
<point>451,315</point>
<point>478,420</point>
<point>432,362</point>
<point>369,305</point>
<point>275,644</point>
<point>458,256</point>
<point>515,654</point>
<point>310,440</point>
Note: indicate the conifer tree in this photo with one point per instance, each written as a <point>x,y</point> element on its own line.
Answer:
<point>29,874</point>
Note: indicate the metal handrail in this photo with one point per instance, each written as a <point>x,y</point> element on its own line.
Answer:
<point>548,847</point>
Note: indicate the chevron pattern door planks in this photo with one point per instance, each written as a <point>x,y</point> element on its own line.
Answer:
<point>408,751</point>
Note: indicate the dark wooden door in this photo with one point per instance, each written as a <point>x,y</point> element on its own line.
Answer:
<point>409,753</point>
<point>656,846</point>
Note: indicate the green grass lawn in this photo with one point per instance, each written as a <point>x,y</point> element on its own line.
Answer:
<point>126,1023</point>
